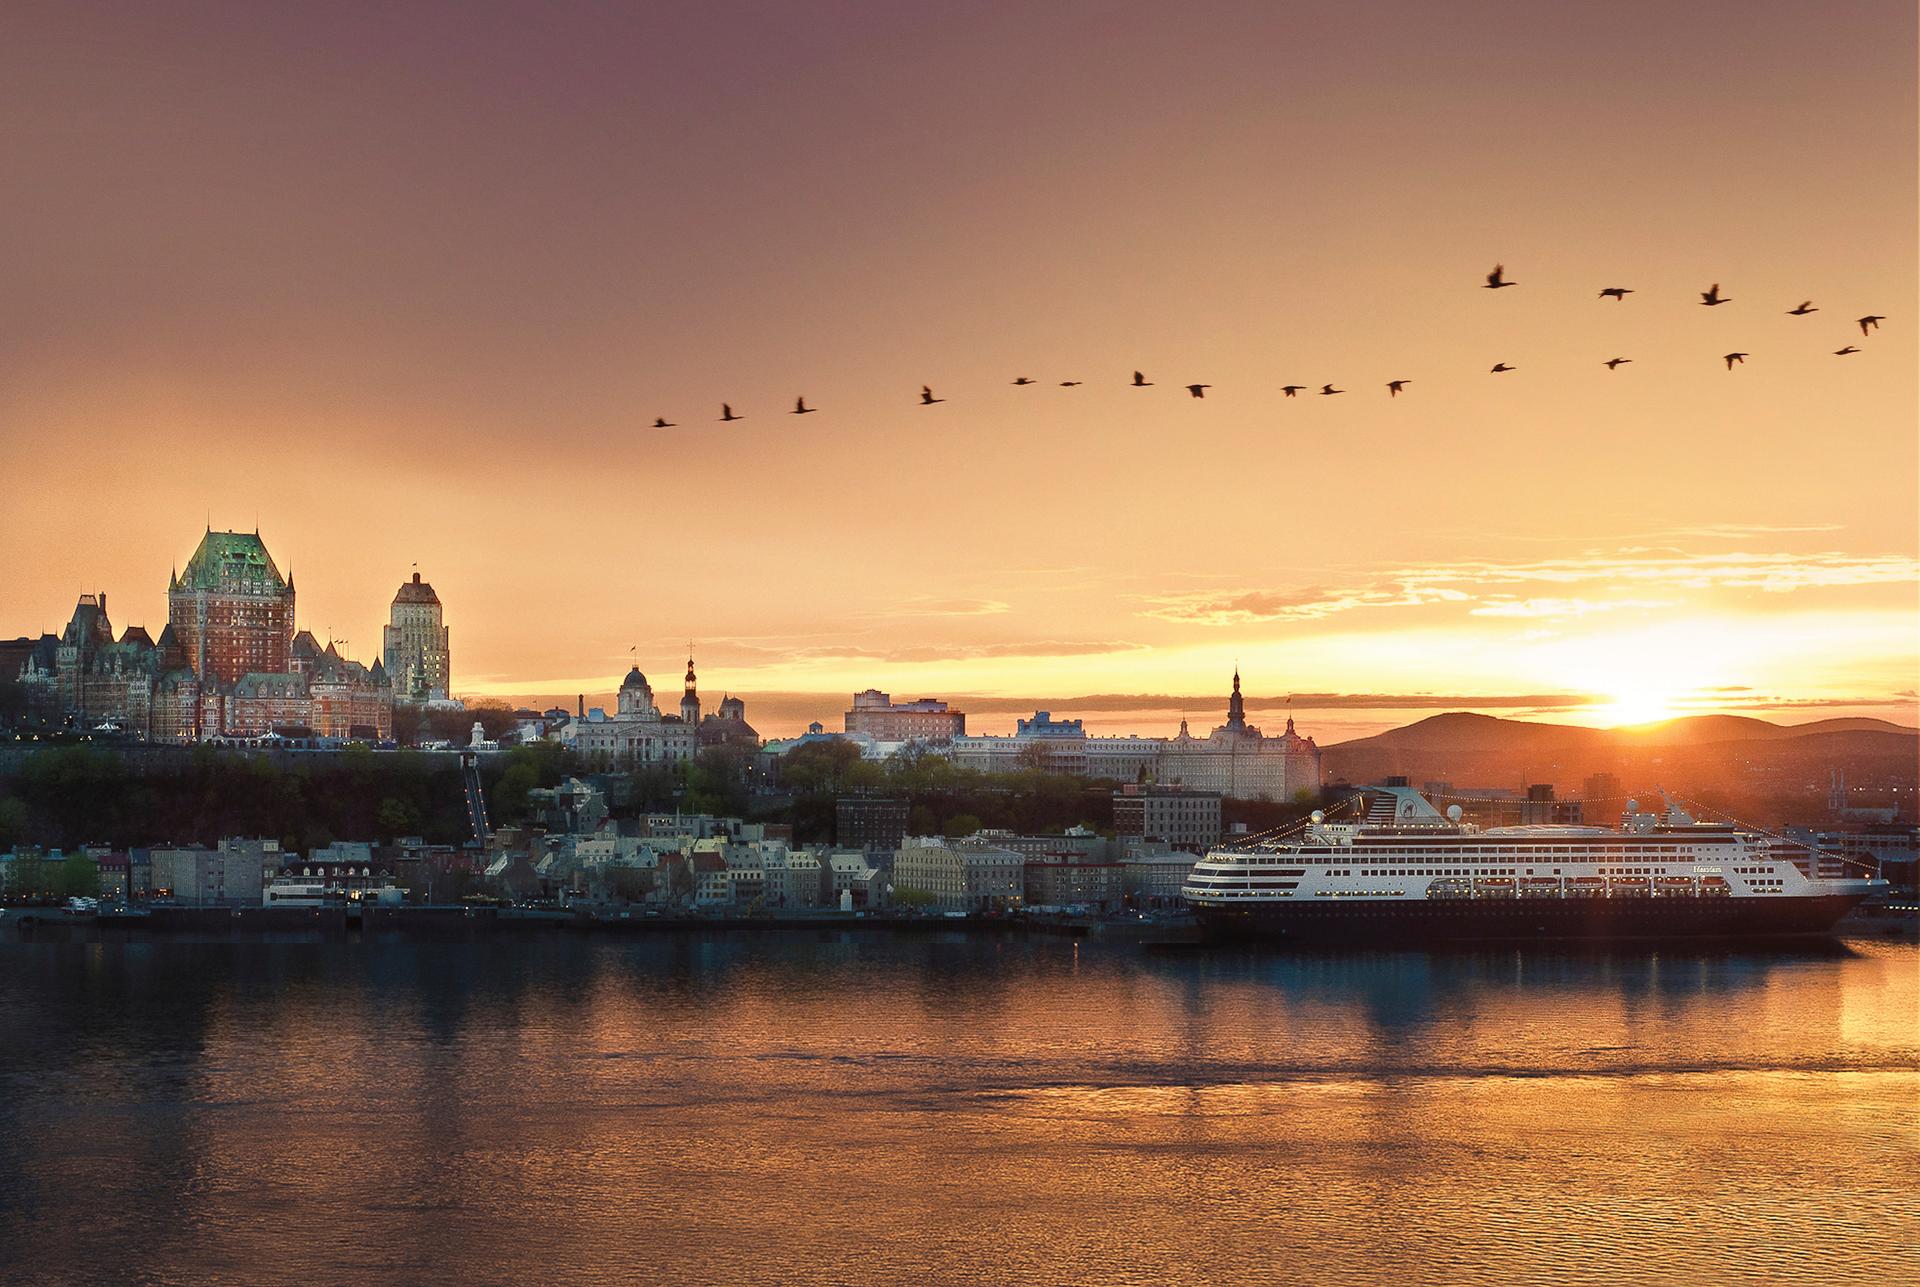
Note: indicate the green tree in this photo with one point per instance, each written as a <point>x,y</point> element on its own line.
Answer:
<point>962,824</point>
<point>29,879</point>
<point>77,876</point>
<point>908,896</point>
<point>396,818</point>
<point>13,822</point>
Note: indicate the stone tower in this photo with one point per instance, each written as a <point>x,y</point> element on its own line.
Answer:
<point>414,648</point>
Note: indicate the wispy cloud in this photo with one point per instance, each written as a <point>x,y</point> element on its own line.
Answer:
<point>1491,585</point>
<point>930,606</point>
<point>1505,607</point>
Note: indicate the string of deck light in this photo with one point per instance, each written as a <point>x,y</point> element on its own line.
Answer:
<point>1496,280</point>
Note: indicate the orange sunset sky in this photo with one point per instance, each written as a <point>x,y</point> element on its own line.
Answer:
<point>405,283</point>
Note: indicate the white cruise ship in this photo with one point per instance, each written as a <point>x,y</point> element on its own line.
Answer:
<point>1403,871</point>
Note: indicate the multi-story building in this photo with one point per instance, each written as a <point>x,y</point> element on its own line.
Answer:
<point>414,645</point>
<point>1185,819</point>
<point>960,875</point>
<point>177,688</point>
<point>926,719</point>
<point>636,733</point>
<point>1063,881</point>
<point>233,874</point>
<point>1152,871</point>
<point>231,611</point>
<point>869,823</point>
<point>1236,759</point>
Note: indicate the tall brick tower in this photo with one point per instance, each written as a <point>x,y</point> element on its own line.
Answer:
<point>231,610</point>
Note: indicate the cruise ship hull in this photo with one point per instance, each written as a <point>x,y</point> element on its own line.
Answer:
<point>1395,921</point>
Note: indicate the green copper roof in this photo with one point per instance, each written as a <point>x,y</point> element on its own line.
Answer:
<point>231,561</point>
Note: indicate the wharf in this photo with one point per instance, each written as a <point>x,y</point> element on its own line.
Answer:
<point>467,921</point>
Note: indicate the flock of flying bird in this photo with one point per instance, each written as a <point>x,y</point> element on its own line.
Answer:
<point>1496,280</point>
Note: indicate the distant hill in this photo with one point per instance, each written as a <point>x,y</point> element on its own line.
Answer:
<point>1732,753</point>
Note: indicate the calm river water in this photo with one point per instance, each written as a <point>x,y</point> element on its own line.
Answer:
<point>873,1109</point>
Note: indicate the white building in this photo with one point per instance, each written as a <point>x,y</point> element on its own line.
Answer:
<point>637,733</point>
<point>1236,759</point>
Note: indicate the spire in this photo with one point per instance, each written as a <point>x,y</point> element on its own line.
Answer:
<point>1236,705</point>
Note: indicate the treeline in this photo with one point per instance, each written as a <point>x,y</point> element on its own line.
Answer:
<point>942,798</point>
<point>68,796</point>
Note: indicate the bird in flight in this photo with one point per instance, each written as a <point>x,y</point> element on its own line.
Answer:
<point>726,413</point>
<point>1327,390</point>
<point>1617,292</point>
<point>1141,381</point>
<point>1731,358</point>
<point>800,407</point>
<point>1198,390</point>
<point>1806,306</point>
<point>1498,367</point>
<point>1845,351</point>
<point>926,396</point>
<point>1496,279</point>
<point>1711,296</point>
<point>1871,322</point>
<point>1394,387</point>
<point>1291,389</point>
<point>1023,380</point>
<point>1069,384</point>
<point>661,422</point>
<point>1614,364</point>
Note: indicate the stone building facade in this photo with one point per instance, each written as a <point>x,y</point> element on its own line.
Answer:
<point>414,646</point>
<point>227,664</point>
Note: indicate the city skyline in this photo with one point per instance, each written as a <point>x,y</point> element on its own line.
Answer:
<point>427,301</point>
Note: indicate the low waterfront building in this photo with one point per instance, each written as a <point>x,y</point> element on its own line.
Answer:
<point>1063,881</point>
<point>231,875</point>
<point>1151,873</point>
<point>960,875</point>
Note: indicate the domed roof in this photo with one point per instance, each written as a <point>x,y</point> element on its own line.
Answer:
<point>416,591</point>
<point>634,679</point>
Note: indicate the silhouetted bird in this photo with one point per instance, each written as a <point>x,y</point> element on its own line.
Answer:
<point>1198,390</point>
<point>926,396</point>
<point>1806,306</point>
<point>1711,296</point>
<point>726,413</point>
<point>1327,390</point>
<point>1741,358</point>
<point>1498,367</point>
<point>800,407</point>
<point>1023,380</point>
<point>1871,322</point>
<point>1615,363</point>
<point>661,422</point>
<point>1616,292</point>
<point>1495,280</point>
<point>1141,381</point>
<point>1394,387</point>
<point>1069,384</point>
<point>1291,389</point>
<point>1845,351</point>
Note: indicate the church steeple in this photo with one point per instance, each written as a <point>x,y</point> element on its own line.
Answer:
<point>690,699</point>
<point>1236,705</point>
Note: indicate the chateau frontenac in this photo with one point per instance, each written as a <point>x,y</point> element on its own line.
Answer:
<point>230,661</point>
